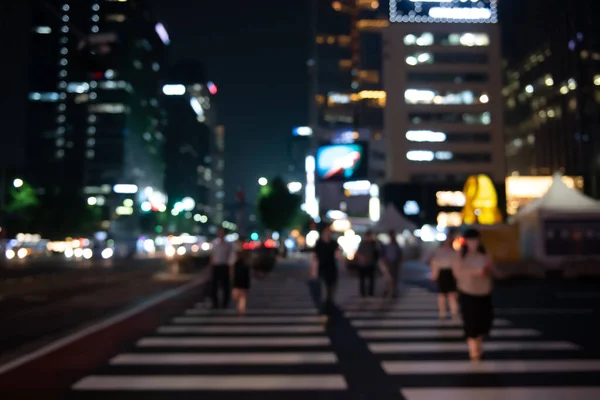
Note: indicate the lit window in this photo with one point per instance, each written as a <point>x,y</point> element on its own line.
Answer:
<point>107,108</point>
<point>443,155</point>
<point>450,199</point>
<point>116,17</point>
<point>82,98</point>
<point>597,80</point>
<point>469,39</point>
<point>47,97</point>
<point>425,136</point>
<point>425,39</point>
<point>420,155</point>
<point>43,30</point>
<point>78,87</point>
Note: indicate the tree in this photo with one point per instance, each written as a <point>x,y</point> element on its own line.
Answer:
<point>277,207</point>
<point>20,208</point>
<point>66,213</point>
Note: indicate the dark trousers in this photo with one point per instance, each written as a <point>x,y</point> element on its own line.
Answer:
<point>220,279</point>
<point>364,274</point>
<point>322,291</point>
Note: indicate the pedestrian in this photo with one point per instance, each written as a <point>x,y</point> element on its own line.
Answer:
<point>473,271</point>
<point>392,261</point>
<point>324,267</point>
<point>221,266</point>
<point>241,278</point>
<point>367,256</point>
<point>442,261</point>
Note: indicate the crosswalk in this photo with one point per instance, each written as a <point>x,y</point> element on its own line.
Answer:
<point>427,357</point>
<point>279,349</point>
<point>282,349</point>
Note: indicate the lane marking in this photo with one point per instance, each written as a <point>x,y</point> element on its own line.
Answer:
<point>451,347</point>
<point>434,314</point>
<point>489,366</point>
<point>244,341</point>
<point>400,323</point>
<point>213,382</point>
<point>56,345</point>
<point>439,333</point>
<point>250,320</point>
<point>243,329</point>
<point>501,393</point>
<point>225,359</point>
<point>257,311</point>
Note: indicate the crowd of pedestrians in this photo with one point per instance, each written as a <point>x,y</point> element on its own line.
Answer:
<point>463,278</point>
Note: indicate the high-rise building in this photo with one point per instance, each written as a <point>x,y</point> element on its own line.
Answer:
<point>346,99</point>
<point>443,115</point>
<point>552,95</point>
<point>96,124</point>
<point>195,143</point>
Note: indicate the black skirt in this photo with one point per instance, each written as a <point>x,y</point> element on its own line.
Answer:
<point>241,277</point>
<point>477,314</point>
<point>446,282</point>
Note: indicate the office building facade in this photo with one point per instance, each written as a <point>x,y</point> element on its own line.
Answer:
<point>96,125</point>
<point>552,96</point>
<point>346,98</point>
<point>443,116</point>
<point>195,143</point>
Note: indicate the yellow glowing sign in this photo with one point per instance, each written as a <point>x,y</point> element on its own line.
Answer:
<point>481,201</point>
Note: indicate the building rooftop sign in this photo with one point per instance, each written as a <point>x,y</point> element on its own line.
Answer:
<point>444,11</point>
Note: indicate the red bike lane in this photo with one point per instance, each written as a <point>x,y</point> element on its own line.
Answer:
<point>50,371</point>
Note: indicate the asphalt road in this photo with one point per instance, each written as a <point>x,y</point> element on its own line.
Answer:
<point>40,304</point>
<point>544,346</point>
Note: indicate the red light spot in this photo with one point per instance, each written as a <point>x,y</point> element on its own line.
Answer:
<point>98,75</point>
<point>270,244</point>
<point>212,88</point>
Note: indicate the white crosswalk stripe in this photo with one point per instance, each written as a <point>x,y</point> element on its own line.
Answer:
<point>413,345</point>
<point>279,346</point>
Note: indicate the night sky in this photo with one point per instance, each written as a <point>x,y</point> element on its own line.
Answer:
<point>256,54</point>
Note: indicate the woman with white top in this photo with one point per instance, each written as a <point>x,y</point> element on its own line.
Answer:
<point>442,261</point>
<point>474,280</point>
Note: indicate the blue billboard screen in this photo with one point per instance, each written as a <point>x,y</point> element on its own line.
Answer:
<point>341,162</point>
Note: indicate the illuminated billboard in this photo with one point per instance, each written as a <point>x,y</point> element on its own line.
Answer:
<point>472,11</point>
<point>342,162</point>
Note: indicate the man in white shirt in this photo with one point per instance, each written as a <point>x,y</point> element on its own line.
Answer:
<point>220,262</point>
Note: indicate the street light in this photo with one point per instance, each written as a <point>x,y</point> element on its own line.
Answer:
<point>18,183</point>
<point>263,181</point>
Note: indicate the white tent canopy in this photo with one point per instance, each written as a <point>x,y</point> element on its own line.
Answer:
<point>392,220</point>
<point>561,199</point>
